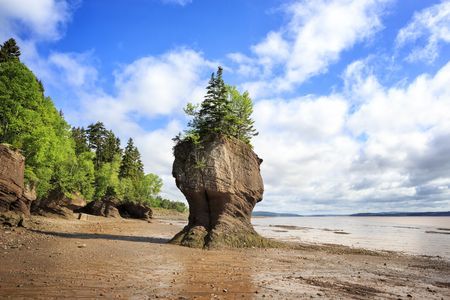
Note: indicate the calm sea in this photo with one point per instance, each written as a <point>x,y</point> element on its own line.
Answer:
<point>413,235</point>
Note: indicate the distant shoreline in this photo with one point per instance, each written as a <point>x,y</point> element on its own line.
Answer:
<point>260,214</point>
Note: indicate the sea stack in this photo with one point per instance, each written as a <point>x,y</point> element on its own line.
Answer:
<point>221,180</point>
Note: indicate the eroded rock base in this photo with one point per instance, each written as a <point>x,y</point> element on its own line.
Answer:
<point>200,237</point>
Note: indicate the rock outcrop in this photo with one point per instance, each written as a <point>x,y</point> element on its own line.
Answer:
<point>221,181</point>
<point>106,207</point>
<point>135,211</point>
<point>15,196</point>
<point>58,204</point>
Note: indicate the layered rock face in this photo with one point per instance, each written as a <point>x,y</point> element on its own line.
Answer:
<point>15,196</point>
<point>221,181</point>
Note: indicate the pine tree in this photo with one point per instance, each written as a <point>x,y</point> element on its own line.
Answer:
<point>131,166</point>
<point>9,50</point>
<point>214,109</point>
<point>224,111</point>
<point>81,140</point>
<point>105,144</point>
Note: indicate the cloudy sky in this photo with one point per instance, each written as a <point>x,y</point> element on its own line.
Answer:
<point>352,97</point>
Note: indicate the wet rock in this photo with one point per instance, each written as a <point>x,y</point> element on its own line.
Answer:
<point>221,181</point>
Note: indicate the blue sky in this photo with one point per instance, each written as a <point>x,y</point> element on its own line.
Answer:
<point>352,97</point>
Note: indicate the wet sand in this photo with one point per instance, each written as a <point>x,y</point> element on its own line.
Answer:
<point>107,258</point>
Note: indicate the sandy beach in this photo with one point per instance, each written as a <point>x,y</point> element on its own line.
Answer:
<point>119,258</point>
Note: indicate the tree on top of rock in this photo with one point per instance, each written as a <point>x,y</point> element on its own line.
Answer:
<point>242,109</point>
<point>9,50</point>
<point>131,166</point>
<point>214,110</point>
<point>223,111</point>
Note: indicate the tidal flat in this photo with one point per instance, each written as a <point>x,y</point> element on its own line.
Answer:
<point>120,258</point>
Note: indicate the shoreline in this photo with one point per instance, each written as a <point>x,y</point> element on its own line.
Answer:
<point>120,258</point>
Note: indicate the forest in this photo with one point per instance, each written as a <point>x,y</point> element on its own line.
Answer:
<point>74,160</point>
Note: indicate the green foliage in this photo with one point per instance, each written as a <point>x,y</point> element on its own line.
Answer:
<point>105,144</point>
<point>223,111</point>
<point>168,204</point>
<point>131,166</point>
<point>143,189</point>
<point>29,121</point>
<point>72,160</point>
<point>107,178</point>
<point>241,123</point>
<point>9,51</point>
<point>80,137</point>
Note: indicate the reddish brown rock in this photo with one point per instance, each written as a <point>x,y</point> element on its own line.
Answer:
<point>221,181</point>
<point>12,167</point>
<point>15,197</point>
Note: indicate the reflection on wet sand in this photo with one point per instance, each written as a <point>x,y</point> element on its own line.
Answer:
<point>131,260</point>
<point>212,274</point>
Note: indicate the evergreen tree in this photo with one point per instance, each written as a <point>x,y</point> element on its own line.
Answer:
<point>131,166</point>
<point>9,50</point>
<point>215,107</point>
<point>96,133</point>
<point>103,142</point>
<point>80,137</point>
<point>110,148</point>
<point>224,111</point>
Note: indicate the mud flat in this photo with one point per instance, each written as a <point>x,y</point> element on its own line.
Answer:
<point>100,257</point>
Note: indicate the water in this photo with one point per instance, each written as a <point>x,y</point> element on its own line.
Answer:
<point>412,235</point>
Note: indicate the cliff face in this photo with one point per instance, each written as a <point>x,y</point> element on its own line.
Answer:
<point>15,197</point>
<point>221,181</point>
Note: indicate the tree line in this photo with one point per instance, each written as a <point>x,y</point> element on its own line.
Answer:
<point>87,161</point>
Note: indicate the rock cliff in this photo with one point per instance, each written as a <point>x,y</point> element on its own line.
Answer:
<point>15,196</point>
<point>221,180</point>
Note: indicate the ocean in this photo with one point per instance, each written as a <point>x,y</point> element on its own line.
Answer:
<point>412,235</point>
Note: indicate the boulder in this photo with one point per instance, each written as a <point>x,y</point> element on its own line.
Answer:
<point>58,204</point>
<point>135,211</point>
<point>105,207</point>
<point>221,180</point>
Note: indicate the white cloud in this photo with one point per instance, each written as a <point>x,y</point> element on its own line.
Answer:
<point>148,88</point>
<point>432,24</point>
<point>42,18</point>
<point>153,86</point>
<point>74,68</point>
<point>388,151</point>
<point>315,36</point>
<point>156,150</point>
